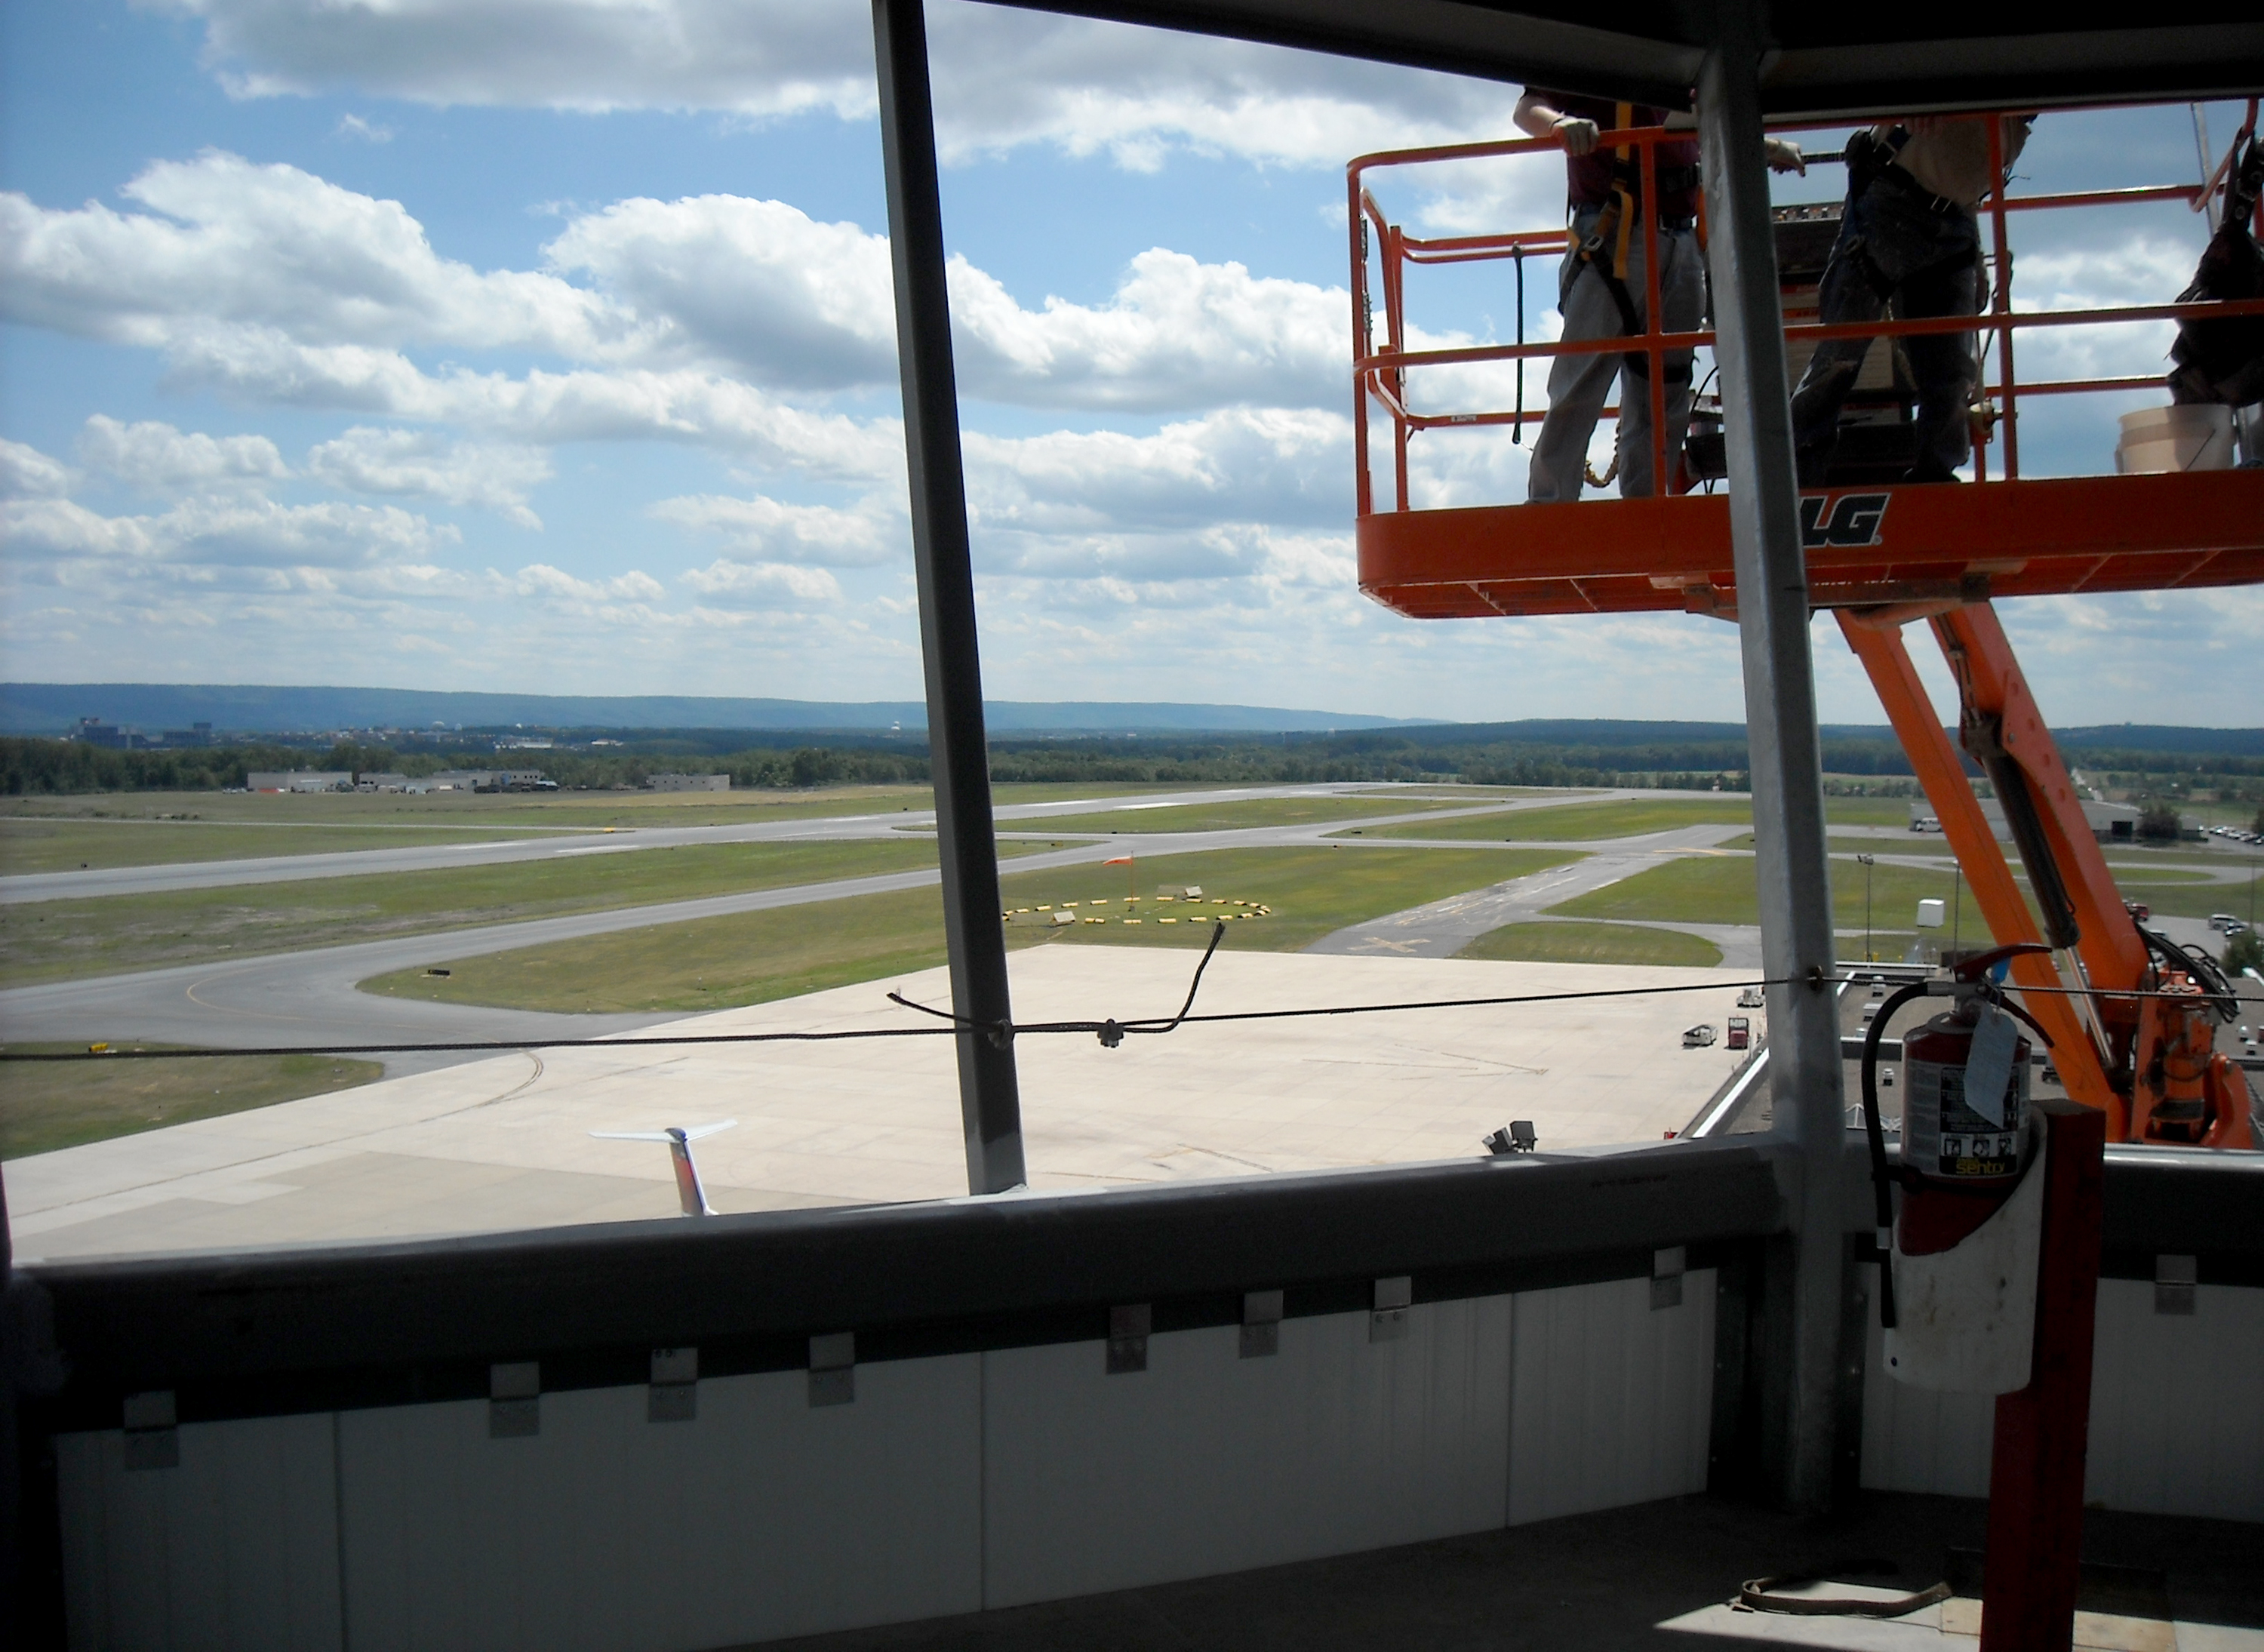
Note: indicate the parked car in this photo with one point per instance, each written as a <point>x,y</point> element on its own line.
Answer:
<point>1699,1037</point>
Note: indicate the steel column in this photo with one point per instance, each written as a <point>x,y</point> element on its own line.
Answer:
<point>1788,776</point>
<point>988,1098</point>
<point>2035,1466</point>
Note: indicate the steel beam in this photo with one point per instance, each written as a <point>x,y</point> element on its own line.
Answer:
<point>1787,775</point>
<point>989,1101</point>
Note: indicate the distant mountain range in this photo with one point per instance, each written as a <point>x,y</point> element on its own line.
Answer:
<point>51,708</point>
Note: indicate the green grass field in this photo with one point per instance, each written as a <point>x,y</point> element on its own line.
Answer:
<point>1218,817</point>
<point>50,940</point>
<point>1584,822</point>
<point>758,956</point>
<point>1593,944</point>
<point>72,845</point>
<point>1720,889</point>
<point>2122,857</point>
<point>54,1105</point>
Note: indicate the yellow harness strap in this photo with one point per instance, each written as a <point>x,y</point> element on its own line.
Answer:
<point>1623,117</point>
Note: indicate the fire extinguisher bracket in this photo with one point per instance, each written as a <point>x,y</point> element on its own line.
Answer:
<point>1966,1315</point>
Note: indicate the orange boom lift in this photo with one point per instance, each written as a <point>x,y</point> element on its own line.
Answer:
<point>2132,1016</point>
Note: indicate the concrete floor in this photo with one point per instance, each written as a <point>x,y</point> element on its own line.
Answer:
<point>1653,1578</point>
<point>505,1142</point>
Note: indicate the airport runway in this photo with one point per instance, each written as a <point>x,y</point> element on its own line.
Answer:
<point>553,843</point>
<point>310,997</point>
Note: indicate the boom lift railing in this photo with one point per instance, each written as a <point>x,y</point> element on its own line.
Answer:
<point>2130,1016</point>
<point>1379,376</point>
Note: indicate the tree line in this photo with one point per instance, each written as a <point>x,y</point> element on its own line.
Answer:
<point>1868,766</point>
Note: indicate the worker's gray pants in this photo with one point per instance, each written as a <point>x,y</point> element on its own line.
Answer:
<point>1580,385</point>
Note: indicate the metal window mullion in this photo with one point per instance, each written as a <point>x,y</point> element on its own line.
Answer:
<point>990,1100</point>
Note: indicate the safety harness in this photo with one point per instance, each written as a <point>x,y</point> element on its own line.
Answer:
<point>1605,248</point>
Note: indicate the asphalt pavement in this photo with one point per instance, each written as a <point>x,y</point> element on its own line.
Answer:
<point>311,998</point>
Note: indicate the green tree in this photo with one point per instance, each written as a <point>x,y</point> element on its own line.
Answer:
<point>2245,951</point>
<point>2157,822</point>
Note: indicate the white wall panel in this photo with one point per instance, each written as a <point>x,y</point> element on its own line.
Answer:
<point>2162,1438</point>
<point>2177,1403</point>
<point>764,1518</point>
<point>1207,1462</point>
<point>235,1549</point>
<point>1611,1400</point>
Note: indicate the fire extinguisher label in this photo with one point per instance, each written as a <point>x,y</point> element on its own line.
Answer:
<point>1944,1136</point>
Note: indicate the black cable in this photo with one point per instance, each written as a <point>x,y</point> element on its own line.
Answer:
<point>1517,429</point>
<point>1150,1023</point>
<point>1882,1176</point>
<point>1008,1030</point>
<point>2214,986</point>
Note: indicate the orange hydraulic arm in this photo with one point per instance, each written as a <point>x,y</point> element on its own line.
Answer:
<point>2152,1065</point>
<point>1877,640</point>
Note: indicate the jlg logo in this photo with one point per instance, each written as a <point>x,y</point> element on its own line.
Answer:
<point>1855,519</point>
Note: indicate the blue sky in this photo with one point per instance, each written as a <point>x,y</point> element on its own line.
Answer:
<point>504,344</point>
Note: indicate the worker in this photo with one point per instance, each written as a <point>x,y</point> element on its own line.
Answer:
<point>1908,237</point>
<point>1600,286</point>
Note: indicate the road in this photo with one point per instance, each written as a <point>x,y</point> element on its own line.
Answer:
<point>1443,927</point>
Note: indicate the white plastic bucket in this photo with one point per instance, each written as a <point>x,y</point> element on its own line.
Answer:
<point>2158,439</point>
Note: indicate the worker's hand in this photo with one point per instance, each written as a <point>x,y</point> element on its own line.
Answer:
<point>1579,135</point>
<point>1784,157</point>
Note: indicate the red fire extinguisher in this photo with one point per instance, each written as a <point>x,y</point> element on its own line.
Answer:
<point>1965,1102</point>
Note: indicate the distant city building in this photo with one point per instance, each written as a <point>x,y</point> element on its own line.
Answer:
<point>372,780</point>
<point>194,734</point>
<point>483,780</point>
<point>688,782</point>
<point>92,731</point>
<point>299,781</point>
<point>523,743</point>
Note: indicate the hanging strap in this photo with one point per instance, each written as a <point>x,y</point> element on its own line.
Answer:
<point>1758,1596</point>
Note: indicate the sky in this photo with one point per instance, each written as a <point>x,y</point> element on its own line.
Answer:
<point>527,345</point>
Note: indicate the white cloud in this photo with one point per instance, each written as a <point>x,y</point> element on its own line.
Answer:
<point>874,531</point>
<point>1242,464</point>
<point>26,473</point>
<point>728,583</point>
<point>423,464</point>
<point>152,457</point>
<point>1175,334</point>
<point>274,286</point>
<point>539,579</point>
<point>2148,269</point>
<point>1003,78</point>
<point>60,528</point>
<point>226,242</point>
<point>213,532</point>
<point>351,126</point>
<point>755,282</point>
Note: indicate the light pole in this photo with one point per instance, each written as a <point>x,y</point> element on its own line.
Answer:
<point>1956,901</point>
<point>1870,957</point>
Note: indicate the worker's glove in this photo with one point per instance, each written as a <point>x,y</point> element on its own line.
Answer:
<point>1579,135</point>
<point>1785,158</point>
